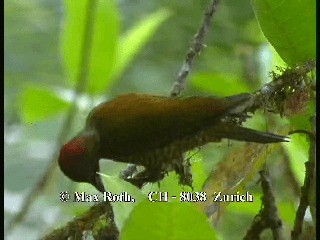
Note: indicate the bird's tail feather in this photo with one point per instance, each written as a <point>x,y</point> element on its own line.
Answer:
<point>248,135</point>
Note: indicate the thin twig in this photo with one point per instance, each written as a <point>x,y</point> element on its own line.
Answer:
<point>82,81</point>
<point>196,45</point>
<point>268,216</point>
<point>306,188</point>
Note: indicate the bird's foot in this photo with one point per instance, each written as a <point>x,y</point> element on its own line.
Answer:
<point>129,171</point>
<point>144,177</point>
<point>183,169</point>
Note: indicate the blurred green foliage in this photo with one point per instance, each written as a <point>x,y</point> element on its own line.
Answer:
<point>102,47</point>
<point>167,221</point>
<point>48,104</point>
<point>290,27</point>
<point>139,46</point>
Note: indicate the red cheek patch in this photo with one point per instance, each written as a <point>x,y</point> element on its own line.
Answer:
<point>72,151</point>
<point>75,146</point>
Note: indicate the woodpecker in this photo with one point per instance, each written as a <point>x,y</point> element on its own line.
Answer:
<point>155,132</point>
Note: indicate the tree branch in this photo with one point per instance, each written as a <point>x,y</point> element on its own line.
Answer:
<point>308,183</point>
<point>268,216</point>
<point>97,222</point>
<point>196,46</point>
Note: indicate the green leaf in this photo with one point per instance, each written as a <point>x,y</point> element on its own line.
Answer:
<point>248,208</point>
<point>198,174</point>
<point>219,83</point>
<point>290,26</point>
<point>252,32</point>
<point>276,61</point>
<point>103,46</point>
<point>116,185</point>
<point>298,155</point>
<point>234,173</point>
<point>169,184</point>
<point>287,212</point>
<point>39,104</point>
<point>136,38</point>
<point>167,220</point>
<point>302,121</point>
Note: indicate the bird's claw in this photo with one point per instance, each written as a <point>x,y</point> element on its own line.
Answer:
<point>144,177</point>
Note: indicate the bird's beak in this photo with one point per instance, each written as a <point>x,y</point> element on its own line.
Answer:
<point>98,183</point>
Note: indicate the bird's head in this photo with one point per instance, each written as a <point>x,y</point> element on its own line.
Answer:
<point>79,160</point>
